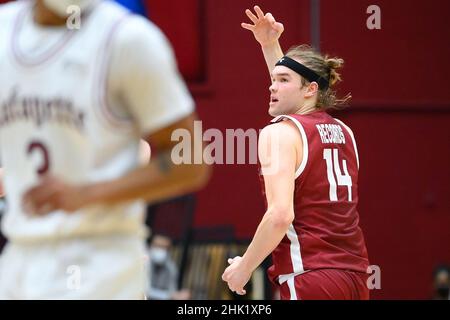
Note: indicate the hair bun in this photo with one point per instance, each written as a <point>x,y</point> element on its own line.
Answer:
<point>333,64</point>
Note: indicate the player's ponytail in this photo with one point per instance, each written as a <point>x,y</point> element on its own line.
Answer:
<point>333,64</point>
<point>325,67</point>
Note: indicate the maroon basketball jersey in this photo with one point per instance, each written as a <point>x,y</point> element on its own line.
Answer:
<point>325,231</point>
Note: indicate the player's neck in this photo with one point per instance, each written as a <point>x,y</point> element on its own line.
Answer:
<point>306,109</point>
<point>45,17</point>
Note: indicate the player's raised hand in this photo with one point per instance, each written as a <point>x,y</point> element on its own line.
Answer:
<point>265,28</point>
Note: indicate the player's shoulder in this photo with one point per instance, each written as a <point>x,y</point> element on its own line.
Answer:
<point>130,23</point>
<point>9,9</point>
<point>139,33</point>
<point>283,130</point>
<point>284,124</point>
<point>132,33</point>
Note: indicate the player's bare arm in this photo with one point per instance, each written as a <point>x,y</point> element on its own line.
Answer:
<point>279,152</point>
<point>159,180</point>
<point>267,31</point>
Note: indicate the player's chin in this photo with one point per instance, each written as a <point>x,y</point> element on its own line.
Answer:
<point>274,111</point>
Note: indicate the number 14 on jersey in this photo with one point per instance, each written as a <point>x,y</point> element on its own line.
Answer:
<point>331,156</point>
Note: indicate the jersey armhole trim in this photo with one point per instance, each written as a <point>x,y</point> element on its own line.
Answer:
<point>106,112</point>
<point>300,128</point>
<point>350,132</point>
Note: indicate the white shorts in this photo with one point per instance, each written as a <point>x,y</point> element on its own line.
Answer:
<point>107,267</point>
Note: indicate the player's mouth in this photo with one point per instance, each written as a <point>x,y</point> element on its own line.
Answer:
<point>273,100</point>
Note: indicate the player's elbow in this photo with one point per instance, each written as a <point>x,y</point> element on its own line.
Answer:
<point>281,217</point>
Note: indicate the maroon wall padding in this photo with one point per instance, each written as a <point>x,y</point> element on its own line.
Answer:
<point>404,64</point>
<point>182,22</point>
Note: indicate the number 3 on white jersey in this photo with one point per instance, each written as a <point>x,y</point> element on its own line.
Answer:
<point>342,180</point>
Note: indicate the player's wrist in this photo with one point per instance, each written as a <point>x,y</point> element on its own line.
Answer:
<point>269,45</point>
<point>247,265</point>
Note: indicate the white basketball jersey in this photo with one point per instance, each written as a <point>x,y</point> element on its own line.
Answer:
<point>55,118</point>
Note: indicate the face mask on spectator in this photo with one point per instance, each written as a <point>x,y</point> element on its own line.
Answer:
<point>158,255</point>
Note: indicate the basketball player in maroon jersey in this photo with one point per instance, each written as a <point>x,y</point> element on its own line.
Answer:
<point>309,163</point>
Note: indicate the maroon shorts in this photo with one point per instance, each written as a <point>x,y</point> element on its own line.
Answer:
<point>326,284</point>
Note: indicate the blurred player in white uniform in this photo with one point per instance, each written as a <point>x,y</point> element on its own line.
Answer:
<point>73,107</point>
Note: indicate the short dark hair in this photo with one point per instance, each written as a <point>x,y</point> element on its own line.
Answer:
<point>438,269</point>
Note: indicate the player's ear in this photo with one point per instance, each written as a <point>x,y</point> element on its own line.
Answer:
<point>312,89</point>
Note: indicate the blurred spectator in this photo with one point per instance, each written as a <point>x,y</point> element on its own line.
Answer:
<point>163,272</point>
<point>441,281</point>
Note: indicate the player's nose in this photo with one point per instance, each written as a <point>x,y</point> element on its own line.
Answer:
<point>273,87</point>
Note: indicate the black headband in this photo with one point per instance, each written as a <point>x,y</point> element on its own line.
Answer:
<point>304,71</point>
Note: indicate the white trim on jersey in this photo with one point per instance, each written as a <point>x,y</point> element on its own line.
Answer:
<point>44,57</point>
<point>296,254</point>
<point>291,286</point>
<point>295,250</point>
<point>302,166</point>
<point>350,132</point>
<point>106,112</point>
